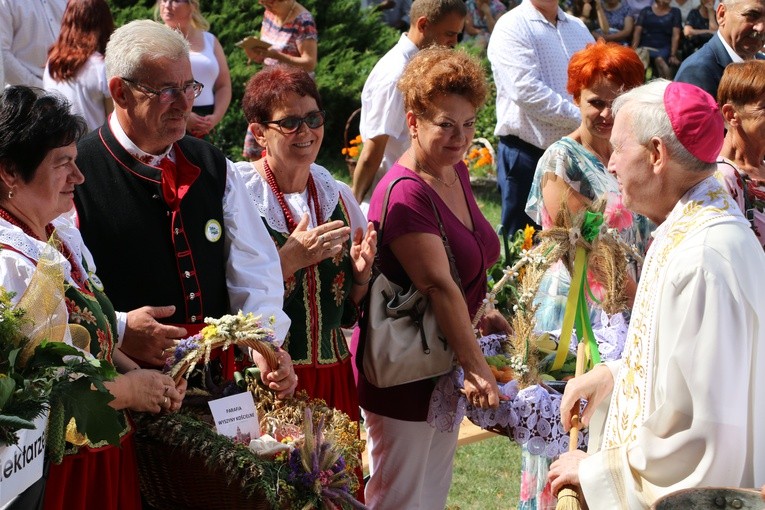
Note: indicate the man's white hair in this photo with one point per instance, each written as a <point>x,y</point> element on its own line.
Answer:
<point>133,45</point>
<point>649,119</point>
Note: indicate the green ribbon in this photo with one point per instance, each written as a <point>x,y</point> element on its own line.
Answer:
<point>591,225</point>
<point>576,314</point>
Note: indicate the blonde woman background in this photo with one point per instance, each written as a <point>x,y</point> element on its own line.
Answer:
<point>208,63</point>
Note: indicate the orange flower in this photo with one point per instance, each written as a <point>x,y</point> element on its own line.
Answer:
<point>528,237</point>
<point>354,148</point>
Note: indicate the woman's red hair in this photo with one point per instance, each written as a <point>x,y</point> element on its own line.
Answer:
<point>614,62</point>
<point>85,29</point>
<point>267,90</point>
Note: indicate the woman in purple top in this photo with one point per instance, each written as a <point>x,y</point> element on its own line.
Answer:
<point>411,462</point>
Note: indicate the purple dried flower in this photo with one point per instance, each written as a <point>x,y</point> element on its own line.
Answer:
<point>185,346</point>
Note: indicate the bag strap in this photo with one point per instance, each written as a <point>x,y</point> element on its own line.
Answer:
<point>748,205</point>
<point>444,238</point>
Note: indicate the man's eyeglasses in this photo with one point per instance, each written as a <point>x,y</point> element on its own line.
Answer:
<point>289,125</point>
<point>170,94</point>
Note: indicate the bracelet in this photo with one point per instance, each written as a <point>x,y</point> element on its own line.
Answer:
<point>365,282</point>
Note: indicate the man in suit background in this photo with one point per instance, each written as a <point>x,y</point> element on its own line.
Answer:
<point>740,37</point>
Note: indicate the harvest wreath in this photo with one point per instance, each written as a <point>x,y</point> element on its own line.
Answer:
<point>527,363</point>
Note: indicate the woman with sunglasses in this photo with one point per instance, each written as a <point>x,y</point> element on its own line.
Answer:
<point>326,246</point>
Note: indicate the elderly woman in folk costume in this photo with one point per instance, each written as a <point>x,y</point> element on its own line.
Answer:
<point>325,244</point>
<point>37,179</point>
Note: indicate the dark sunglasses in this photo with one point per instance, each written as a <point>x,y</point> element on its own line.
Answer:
<point>289,125</point>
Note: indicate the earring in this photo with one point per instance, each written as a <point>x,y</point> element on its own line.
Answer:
<point>11,193</point>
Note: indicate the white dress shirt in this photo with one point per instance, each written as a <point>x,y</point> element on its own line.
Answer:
<point>253,269</point>
<point>529,58</point>
<point>382,105</point>
<point>28,28</point>
<point>735,57</point>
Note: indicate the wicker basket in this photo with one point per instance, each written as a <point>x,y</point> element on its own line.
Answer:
<point>350,124</point>
<point>172,479</point>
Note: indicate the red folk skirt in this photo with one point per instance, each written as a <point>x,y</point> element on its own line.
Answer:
<point>96,479</point>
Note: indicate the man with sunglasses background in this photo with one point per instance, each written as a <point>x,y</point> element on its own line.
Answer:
<point>166,216</point>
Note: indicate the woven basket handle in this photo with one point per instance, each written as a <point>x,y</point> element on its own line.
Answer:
<point>348,124</point>
<point>264,348</point>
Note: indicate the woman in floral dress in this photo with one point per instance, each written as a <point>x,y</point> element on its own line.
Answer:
<point>573,170</point>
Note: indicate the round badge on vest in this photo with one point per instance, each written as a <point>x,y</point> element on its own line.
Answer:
<point>213,231</point>
<point>96,281</point>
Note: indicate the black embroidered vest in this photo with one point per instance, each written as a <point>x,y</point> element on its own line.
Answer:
<point>147,254</point>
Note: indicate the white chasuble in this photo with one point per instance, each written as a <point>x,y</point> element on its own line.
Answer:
<point>688,405</point>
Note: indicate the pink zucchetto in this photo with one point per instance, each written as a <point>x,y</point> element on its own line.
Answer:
<point>695,119</point>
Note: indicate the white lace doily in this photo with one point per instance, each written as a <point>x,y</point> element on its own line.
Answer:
<point>530,416</point>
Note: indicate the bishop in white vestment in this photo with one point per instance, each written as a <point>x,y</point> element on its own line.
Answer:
<point>687,401</point>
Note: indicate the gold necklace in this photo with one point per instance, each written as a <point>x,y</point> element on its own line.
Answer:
<point>421,168</point>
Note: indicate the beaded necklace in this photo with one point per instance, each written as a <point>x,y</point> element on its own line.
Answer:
<point>313,197</point>
<point>76,274</point>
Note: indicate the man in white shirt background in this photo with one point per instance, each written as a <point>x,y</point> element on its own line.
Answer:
<point>383,119</point>
<point>529,51</point>
<point>28,28</point>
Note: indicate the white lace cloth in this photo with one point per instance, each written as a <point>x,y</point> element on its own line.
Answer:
<point>530,416</point>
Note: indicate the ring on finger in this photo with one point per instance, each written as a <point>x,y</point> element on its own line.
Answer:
<point>164,402</point>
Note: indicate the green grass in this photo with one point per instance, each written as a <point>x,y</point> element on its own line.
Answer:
<point>489,202</point>
<point>486,476</point>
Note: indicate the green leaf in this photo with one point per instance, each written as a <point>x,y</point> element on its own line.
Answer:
<point>7,385</point>
<point>14,422</point>
<point>12,358</point>
<point>90,409</point>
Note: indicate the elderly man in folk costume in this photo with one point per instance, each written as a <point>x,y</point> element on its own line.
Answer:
<point>166,215</point>
<point>687,401</point>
